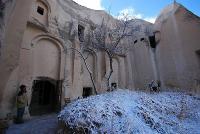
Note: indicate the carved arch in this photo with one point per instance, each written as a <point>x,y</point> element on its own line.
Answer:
<point>118,67</point>
<point>52,38</point>
<point>93,53</point>
<point>59,44</point>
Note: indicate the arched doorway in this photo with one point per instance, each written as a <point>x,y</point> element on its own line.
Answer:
<point>44,97</point>
<point>47,67</point>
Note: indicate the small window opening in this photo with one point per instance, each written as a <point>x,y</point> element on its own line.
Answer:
<point>152,41</point>
<point>40,10</point>
<point>142,39</point>
<point>87,91</point>
<point>81,33</point>
<point>135,41</point>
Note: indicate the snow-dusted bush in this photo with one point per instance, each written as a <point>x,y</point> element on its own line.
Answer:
<point>125,111</point>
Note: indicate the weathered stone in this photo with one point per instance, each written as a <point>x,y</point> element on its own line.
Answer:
<point>35,41</point>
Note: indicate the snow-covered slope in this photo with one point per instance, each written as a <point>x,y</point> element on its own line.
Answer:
<point>125,111</point>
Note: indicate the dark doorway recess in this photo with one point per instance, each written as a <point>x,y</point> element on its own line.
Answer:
<point>87,91</point>
<point>81,33</point>
<point>45,97</point>
<point>114,85</point>
<point>152,41</point>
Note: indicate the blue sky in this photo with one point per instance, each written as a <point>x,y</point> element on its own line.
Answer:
<point>143,9</point>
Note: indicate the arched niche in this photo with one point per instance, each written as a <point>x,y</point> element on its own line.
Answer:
<point>41,11</point>
<point>115,75</point>
<point>47,57</point>
<point>91,62</point>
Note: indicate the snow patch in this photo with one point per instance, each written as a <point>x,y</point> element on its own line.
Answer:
<point>125,111</point>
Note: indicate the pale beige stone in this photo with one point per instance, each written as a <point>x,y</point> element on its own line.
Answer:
<point>36,47</point>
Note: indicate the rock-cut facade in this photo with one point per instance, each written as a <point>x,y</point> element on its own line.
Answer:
<point>35,37</point>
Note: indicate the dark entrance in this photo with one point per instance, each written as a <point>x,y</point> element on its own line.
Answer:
<point>87,91</point>
<point>45,98</point>
<point>197,80</point>
<point>114,85</point>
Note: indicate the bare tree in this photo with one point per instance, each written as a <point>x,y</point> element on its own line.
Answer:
<point>87,67</point>
<point>72,34</point>
<point>83,48</point>
<point>111,41</point>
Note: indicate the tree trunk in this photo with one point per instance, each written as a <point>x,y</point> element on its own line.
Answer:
<point>110,72</point>
<point>86,65</point>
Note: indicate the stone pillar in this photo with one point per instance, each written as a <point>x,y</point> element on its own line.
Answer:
<point>77,80</point>
<point>98,66</point>
<point>67,82</point>
<point>130,83</point>
<point>154,63</point>
<point>122,71</point>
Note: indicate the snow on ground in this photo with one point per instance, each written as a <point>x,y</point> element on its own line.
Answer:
<point>125,111</point>
<point>46,124</point>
